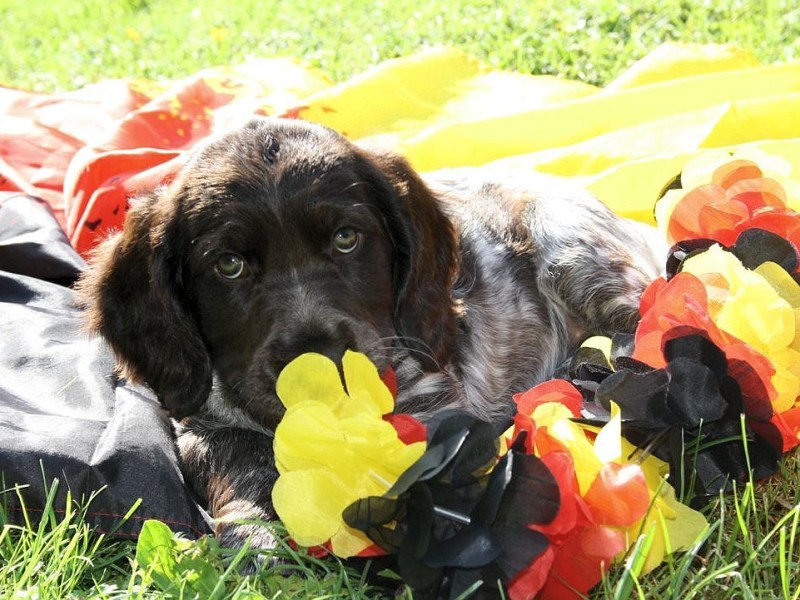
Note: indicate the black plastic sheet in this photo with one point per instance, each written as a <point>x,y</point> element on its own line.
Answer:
<point>64,412</point>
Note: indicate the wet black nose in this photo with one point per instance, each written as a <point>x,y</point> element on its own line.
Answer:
<point>329,342</point>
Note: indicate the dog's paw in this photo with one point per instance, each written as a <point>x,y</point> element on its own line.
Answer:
<point>259,539</point>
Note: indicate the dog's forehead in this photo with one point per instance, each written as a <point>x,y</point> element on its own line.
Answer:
<point>272,171</point>
<point>282,148</point>
<point>280,161</point>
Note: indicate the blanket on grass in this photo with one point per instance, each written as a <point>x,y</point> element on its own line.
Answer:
<point>70,162</point>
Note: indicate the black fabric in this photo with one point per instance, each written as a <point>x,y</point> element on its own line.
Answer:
<point>63,411</point>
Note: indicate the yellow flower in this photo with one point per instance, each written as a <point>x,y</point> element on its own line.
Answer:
<point>333,447</point>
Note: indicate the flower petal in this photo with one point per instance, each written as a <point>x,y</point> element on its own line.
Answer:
<point>347,542</point>
<point>367,391</point>
<point>607,444</point>
<point>618,496</point>
<point>580,562</point>
<point>310,504</point>
<point>308,437</point>
<point>552,391</point>
<point>310,376</point>
<point>672,525</point>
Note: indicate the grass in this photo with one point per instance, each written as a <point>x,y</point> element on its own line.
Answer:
<point>61,557</point>
<point>752,549</point>
<point>63,44</point>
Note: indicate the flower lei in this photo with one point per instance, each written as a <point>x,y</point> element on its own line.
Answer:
<point>707,387</point>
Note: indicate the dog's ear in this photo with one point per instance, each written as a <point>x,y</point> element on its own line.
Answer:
<point>425,263</point>
<point>131,294</point>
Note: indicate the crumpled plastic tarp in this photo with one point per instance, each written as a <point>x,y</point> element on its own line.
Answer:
<point>64,413</point>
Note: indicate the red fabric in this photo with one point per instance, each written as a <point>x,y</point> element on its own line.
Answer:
<point>579,564</point>
<point>40,134</point>
<point>389,379</point>
<point>581,549</point>
<point>619,496</point>
<point>409,430</point>
<point>554,390</point>
<point>139,149</point>
<point>680,307</point>
<point>87,152</point>
<point>788,424</point>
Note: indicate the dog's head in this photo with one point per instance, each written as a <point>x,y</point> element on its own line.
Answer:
<point>276,239</point>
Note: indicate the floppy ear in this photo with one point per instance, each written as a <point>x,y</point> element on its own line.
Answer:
<point>426,261</point>
<point>131,294</point>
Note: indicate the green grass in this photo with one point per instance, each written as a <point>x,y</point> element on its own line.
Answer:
<point>61,557</point>
<point>63,44</point>
<point>752,550</point>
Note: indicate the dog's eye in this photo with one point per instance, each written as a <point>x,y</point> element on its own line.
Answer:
<point>230,266</point>
<point>346,240</point>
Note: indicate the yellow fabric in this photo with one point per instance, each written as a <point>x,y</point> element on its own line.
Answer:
<point>673,61</point>
<point>680,104</point>
<point>442,108</point>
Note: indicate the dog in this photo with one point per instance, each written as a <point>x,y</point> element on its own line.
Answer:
<point>282,237</point>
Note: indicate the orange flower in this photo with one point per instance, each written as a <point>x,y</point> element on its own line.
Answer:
<point>605,499</point>
<point>722,198</point>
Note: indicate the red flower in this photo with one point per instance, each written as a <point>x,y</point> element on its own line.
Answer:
<point>600,499</point>
<point>580,551</point>
<point>680,307</point>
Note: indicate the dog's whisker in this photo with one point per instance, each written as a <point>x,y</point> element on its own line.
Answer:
<point>412,345</point>
<point>406,363</point>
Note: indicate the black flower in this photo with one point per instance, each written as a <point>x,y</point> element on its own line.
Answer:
<point>459,514</point>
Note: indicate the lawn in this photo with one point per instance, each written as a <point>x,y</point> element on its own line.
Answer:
<point>63,44</point>
<point>752,549</point>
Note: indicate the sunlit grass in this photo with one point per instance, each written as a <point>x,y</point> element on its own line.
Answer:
<point>751,550</point>
<point>64,44</point>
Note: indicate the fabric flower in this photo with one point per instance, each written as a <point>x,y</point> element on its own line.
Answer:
<point>750,313</point>
<point>333,446</point>
<point>722,195</point>
<point>689,414</point>
<point>745,305</point>
<point>744,204</point>
<point>606,498</point>
<point>461,513</point>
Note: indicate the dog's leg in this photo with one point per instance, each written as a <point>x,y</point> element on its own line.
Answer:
<point>233,470</point>
<point>593,263</point>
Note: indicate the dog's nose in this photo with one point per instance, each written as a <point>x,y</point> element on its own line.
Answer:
<point>332,344</point>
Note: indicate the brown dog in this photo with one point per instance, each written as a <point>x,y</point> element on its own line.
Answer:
<point>282,237</point>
